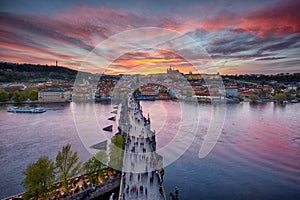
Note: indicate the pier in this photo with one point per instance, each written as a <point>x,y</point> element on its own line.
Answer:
<point>142,170</point>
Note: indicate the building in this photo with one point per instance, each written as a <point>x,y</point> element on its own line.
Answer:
<point>193,77</point>
<point>148,91</point>
<point>229,91</point>
<point>53,95</point>
<point>173,71</point>
<point>17,86</point>
<point>202,77</point>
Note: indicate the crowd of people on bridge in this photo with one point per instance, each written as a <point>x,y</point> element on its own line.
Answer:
<point>139,153</point>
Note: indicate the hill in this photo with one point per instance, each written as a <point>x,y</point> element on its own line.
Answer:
<point>13,72</point>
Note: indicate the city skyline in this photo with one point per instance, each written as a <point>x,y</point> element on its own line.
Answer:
<point>239,37</point>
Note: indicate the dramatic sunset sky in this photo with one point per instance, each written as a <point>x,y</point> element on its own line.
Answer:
<point>239,36</point>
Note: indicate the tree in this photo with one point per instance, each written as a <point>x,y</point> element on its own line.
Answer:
<point>93,166</point>
<point>163,91</point>
<point>292,91</point>
<point>19,96</point>
<point>67,164</point>
<point>240,97</point>
<point>280,97</point>
<point>292,97</point>
<point>116,152</point>
<point>38,179</point>
<point>101,157</point>
<point>3,96</point>
<point>33,95</point>
<point>280,89</point>
<point>253,97</point>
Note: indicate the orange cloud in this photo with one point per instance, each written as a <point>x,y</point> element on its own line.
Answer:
<point>149,62</point>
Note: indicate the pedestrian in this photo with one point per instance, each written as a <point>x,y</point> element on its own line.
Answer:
<point>160,189</point>
<point>141,189</point>
<point>151,180</point>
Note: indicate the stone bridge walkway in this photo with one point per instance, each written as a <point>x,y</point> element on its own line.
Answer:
<point>140,179</point>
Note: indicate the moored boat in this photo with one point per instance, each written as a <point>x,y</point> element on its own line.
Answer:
<point>25,110</point>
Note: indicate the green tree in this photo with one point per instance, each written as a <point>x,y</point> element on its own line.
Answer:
<point>292,97</point>
<point>3,96</point>
<point>93,166</point>
<point>33,95</point>
<point>101,156</point>
<point>116,152</point>
<point>280,89</point>
<point>240,97</point>
<point>163,91</point>
<point>38,179</point>
<point>67,164</point>
<point>253,97</point>
<point>19,96</point>
<point>292,91</point>
<point>280,97</point>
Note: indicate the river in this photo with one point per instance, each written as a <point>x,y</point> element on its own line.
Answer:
<point>256,157</point>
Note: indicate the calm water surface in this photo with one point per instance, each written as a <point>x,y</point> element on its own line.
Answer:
<point>256,157</point>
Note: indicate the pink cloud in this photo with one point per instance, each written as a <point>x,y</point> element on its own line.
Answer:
<point>73,33</point>
<point>278,19</point>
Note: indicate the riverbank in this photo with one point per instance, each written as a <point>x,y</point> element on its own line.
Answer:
<point>31,103</point>
<point>90,192</point>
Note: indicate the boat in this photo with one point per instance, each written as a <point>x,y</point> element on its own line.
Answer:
<point>25,110</point>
